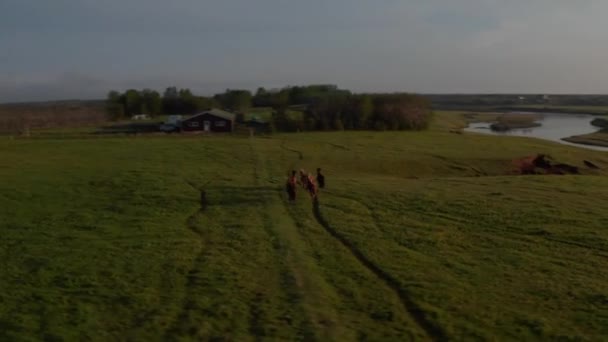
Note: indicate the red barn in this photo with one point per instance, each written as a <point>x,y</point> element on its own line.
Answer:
<point>213,120</point>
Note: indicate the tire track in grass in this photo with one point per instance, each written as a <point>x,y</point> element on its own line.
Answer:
<point>512,233</point>
<point>353,310</point>
<point>290,280</point>
<point>289,277</point>
<point>432,330</point>
<point>338,146</point>
<point>191,279</point>
<point>299,153</point>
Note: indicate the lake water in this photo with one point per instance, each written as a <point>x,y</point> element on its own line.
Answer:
<point>554,128</point>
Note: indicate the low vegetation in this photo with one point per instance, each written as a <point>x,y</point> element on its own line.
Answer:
<point>499,121</point>
<point>22,118</point>
<point>506,122</point>
<point>418,235</point>
<point>600,122</point>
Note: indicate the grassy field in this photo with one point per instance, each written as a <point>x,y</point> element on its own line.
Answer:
<point>418,236</point>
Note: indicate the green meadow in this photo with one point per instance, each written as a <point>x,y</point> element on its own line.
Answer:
<point>418,236</point>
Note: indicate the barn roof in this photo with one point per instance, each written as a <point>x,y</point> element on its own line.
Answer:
<point>216,112</point>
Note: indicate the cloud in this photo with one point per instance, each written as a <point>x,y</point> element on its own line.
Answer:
<point>65,86</point>
<point>69,47</point>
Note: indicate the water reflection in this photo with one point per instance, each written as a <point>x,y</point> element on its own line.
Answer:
<point>553,127</point>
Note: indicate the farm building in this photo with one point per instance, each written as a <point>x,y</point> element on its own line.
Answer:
<point>213,120</point>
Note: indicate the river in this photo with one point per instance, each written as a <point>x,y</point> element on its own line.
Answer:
<point>553,127</point>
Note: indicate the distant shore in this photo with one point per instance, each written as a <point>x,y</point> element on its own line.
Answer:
<point>599,111</point>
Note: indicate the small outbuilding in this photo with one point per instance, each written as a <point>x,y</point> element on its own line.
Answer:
<point>257,126</point>
<point>173,124</point>
<point>140,117</point>
<point>214,120</point>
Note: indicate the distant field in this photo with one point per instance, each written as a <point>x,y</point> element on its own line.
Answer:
<point>23,118</point>
<point>572,109</point>
<point>419,235</point>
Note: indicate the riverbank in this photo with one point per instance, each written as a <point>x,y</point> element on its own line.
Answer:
<point>593,139</point>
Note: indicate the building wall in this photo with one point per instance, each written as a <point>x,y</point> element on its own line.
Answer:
<point>197,123</point>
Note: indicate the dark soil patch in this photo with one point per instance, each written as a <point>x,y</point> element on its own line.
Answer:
<point>542,164</point>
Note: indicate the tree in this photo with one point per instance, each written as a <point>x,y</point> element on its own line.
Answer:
<point>363,111</point>
<point>402,111</point>
<point>187,101</point>
<point>261,92</point>
<point>152,103</point>
<point>279,101</point>
<point>261,98</point>
<point>115,108</point>
<point>235,99</point>
<point>170,101</point>
<point>133,102</point>
<point>204,103</point>
<point>114,96</point>
<point>171,93</point>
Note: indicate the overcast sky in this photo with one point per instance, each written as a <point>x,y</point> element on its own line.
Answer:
<point>65,49</point>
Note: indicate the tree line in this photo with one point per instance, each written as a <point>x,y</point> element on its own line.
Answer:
<point>322,107</point>
<point>327,107</point>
